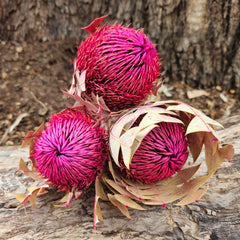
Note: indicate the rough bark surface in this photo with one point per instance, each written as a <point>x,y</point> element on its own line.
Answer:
<point>216,216</point>
<point>198,40</point>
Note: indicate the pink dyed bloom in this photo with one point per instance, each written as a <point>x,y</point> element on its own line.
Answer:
<point>121,65</point>
<point>162,153</point>
<point>71,151</point>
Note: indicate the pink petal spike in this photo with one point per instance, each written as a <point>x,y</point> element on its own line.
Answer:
<point>92,27</point>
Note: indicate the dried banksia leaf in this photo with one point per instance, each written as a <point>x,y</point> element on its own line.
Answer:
<point>69,153</point>
<point>121,65</point>
<point>149,146</point>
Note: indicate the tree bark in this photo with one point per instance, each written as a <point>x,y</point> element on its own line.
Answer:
<point>198,40</point>
<point>215,216</point>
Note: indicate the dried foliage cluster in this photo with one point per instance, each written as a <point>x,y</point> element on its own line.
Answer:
<point>138,151</point>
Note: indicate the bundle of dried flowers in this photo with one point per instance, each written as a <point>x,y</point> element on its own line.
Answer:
<point>153,149</point>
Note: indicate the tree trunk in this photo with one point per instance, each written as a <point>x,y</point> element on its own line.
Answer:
<point>198,40</point>
<point>215,216</point>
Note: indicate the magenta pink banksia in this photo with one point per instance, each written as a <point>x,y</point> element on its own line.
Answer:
<point>121,65</point>
<point>161,154</point>
<point>68,155</point>
<point>71,151</point>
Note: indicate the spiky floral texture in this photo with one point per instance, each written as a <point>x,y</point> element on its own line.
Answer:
<point>121,65</point>
<point>162,153</point>
<point>70,151</point>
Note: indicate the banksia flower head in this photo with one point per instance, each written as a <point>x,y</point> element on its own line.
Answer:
<point>162,153</point>
<point>121,64</point>
<point>68,155</point>
<point>71,151</point>
<point>149,160</point>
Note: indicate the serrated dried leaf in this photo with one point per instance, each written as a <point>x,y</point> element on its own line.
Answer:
<point>119,189</point>
<point>32,134</point>
<point>149,193</point>
<point>184,108</point>
<point>165,103</point>
<point>19,196</point>
<point>168,197</point>
<point>192,197</point>
<point>128,202</point>
<point>91,107</point>
<point>120,206</point>
<point>27,139</point>
<point>99,190</point>
<point>32,189</point>
<point>153,118</point>
<point>195,143</point>
<point>33,197</point>
<point>127,140</point>
<point>157,109</point>
<point>139,137</point>
<point>181,177</point>
<point>22,167</point>
<point>97,213</point>
<point>114,136</point>
<point>227,152</point>
<point>197,124</point>
<point>66,199</point>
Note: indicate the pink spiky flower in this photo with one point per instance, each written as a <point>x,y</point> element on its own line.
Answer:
<point>161,154</point>
<point>71,151</point>
<point>121,65</point>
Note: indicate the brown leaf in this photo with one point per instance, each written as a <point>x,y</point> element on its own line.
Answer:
<point>99,190</point>
<point>195,143</point>
<point>120,206</point>
<point>23,168</point>
<point>128,202</point>
<point>192,197</point>
<point>119,188</point>
<point>97,214</point>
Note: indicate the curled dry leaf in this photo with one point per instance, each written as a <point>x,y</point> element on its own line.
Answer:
<point>31,197</point>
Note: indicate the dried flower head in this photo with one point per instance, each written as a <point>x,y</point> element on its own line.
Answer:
<point>70,151</point>
<point>121,65</point>
<point>162,153</point>
<point>148,148</point>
